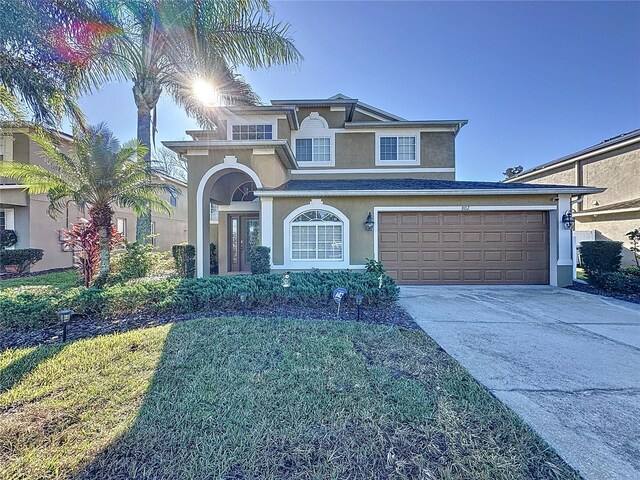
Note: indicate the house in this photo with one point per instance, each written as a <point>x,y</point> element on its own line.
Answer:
<point>27,214</point>
<point>614,164</point>
<point>329,183</point>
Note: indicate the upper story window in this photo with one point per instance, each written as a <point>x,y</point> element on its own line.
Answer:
<point>252,132</point>
<point>314,142</point>
<point>244,193</point>
<point>173,199</point>
<point>403,149</point>
<point>313,149</point>
<point>1,147</point>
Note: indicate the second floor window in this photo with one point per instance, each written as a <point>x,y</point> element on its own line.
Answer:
<point>252,132</point>
<point>313,149</point>
<point>173,199</point>
<point>397,148</point>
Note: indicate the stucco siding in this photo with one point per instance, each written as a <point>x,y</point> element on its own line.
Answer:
<point>356,210</point>
<point>562,176</point>
<point>334,119</point>
<point>618,173</point>
<point>613,227</point>
<point>437,150</point>
<point>355,150</point>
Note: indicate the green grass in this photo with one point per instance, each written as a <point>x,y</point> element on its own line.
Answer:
<point>61,280</point>
<point>246,398</point>
<point>580,273</point>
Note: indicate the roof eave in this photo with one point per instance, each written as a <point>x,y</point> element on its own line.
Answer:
<point>430,192</point>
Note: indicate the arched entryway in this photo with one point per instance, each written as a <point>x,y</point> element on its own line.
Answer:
<point>230,187</point>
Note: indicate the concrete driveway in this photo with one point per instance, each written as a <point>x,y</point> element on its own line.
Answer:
<point>567,362</point>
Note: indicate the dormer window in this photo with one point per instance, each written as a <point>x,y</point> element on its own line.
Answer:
<point>252,132</point>
<point>314,142</point>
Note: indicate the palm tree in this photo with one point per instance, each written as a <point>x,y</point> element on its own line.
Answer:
<point>170,45</point>
<point>98,174</point>
<point>48,51</point>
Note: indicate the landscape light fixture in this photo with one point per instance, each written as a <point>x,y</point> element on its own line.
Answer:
<point>64,316</point>
<point>568,220</point>
<point>243,300</point>
<point>286,280</point>
<point>368,223</point>
<point>359,298</point>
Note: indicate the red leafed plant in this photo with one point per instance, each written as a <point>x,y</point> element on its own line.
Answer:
<point>82,238</point>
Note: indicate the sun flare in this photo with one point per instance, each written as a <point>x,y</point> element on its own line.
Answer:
<point>205,92</point>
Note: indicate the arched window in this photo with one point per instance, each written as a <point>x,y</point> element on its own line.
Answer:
<point>244,193</point>
<point>316,235</point>
<point>313,141</point>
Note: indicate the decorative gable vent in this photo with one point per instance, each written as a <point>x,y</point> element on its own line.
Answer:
<point>314,121</point>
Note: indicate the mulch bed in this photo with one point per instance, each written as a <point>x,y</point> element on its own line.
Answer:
<point>85,327</point>
<point>586,288</point>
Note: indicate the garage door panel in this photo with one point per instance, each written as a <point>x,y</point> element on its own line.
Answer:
<point>465,247</point>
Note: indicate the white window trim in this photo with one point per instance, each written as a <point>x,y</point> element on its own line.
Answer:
<point>290,263</point>
<point>256,120</point>
<point>9,222</point>
<point>398,133</point>
<point>7,147</point>
<point>557,236</point>
<point>310,132</point>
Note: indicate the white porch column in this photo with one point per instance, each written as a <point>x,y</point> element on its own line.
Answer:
<point>266,223</point>
<point>565,241</point>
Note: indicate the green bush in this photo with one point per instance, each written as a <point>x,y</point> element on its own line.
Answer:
<point>374,266</point>
<point>134,262</point>
<point>185,258</point>
<point>22,258</point>
<point>23,308</point>
<point>213,259</point>
<point>8,238</point>
<point>617,282</point>
<point>260,260</point>
<point>600,257</point>
<point>631,271</point>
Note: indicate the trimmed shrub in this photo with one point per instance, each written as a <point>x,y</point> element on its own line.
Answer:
<point>213,259</point>
<point>185,258</point>
<point>134,262</point>
<point>30,307</point>
<point>617,282</point>
<point>8,238</point>
<point>600,257</point>
<point>260,260</point>
<point>374,266</point>
<point>21,258</point>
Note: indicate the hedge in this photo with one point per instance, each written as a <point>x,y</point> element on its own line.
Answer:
<point>626,281</point>
<point>22,258</point>
<point>600,256</point>
<point>30,307</point>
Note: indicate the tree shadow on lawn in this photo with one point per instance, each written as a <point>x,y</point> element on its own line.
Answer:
<point>23,365</point>
<point>244,398</point>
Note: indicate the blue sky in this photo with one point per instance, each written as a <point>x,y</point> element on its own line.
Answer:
<point>535,80</point>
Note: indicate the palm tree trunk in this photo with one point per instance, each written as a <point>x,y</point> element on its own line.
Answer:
<point>105,254</point>
<point>101,217</point>
<point>143,222</point>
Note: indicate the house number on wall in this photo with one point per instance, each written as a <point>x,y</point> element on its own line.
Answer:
<point>465,208</point>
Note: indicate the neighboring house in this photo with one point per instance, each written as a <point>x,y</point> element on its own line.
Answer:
<point>328,183</point>
<point>613,164</point>
<point>27,214</point>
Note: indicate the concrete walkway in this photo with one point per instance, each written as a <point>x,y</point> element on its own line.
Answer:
<point>567,362</point>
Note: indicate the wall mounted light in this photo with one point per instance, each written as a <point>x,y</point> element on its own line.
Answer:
<point>568,220</point>
<point>368,223</point>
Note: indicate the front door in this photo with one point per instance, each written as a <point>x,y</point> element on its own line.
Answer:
<point>244,234</point>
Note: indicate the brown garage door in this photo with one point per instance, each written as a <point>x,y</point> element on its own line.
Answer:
<point>465,247</point>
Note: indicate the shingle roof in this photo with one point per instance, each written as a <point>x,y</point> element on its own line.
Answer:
<point>408,184</point>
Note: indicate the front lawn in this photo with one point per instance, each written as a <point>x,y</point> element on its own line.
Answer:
<point>62,280</point>
<point>245,398</point>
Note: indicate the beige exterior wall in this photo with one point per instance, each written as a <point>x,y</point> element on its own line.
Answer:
<point>334,119</point>
<point>36,229</point>
<point>617,171</point>
<point>356,210</point>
